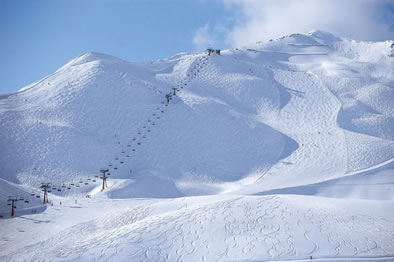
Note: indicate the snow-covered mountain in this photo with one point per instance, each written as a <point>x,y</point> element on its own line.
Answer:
<point>279,150</point>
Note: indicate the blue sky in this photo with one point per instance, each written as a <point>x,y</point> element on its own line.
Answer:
<point>38,37</point>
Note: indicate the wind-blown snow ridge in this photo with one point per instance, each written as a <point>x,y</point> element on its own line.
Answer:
<point>270,140</point>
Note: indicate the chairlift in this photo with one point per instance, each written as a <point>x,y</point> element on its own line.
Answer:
<point>21,198</point>
<point>33,194</point>
<point>116,158</point>
<point>115,168</point>
<point>26,201</point>
<point>128,145</point>
<point>162,111</point>
<point>133,149</point>
<point>89,179</point>
<point>158,117</point>
<point>77,185</point>
<point>144,127</point>
<point>144,137</point>
<point>63,186</point>
<point>138,143</point>
<point>86,183</point>
<point>110,164</point>
<point>134,139</point>
<point>68,187</point>
<point>123,152</point>
<point>94,180</point>
<point>148,130</point>
<point>149,120</point>
<point>121,162</point>
<point>96,176</point>
<point>49,191</point>
<point>59,189</point>
<point>72,184</point>
<point>37,196</point>
<point>81,181</point>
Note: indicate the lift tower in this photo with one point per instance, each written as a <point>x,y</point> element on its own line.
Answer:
<point>104,178</point>
<point>45,188</point>
<point>12,202</point>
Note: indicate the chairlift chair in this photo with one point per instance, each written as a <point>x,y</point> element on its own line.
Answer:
<point>59,189</point>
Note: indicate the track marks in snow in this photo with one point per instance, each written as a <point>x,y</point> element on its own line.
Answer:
<point>227,228</point>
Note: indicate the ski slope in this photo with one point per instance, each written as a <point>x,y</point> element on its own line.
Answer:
<point>277,151</point>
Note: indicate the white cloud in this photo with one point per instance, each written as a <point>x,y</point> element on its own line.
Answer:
<point>203,38</point>
<point>265,19</point>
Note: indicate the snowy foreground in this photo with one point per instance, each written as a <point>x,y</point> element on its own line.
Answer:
<point>281,151</point>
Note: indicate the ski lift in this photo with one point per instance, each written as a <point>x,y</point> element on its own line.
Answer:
<point>138,143</point>
<point>158,117</point>
<point>121,162</point>
<point>128,145</point>
<point>116,158</point>
<point>153,114</point>
<point>115,168</point>
<point>98,176</point>
<point>81,181</point>
<point>59,189</point>
<point>77,185</point>
<point>144,127</point>
<point>89,179</point>
<point>21,198</point>
<point>108,174</point>
<point>149,120</point>
<point>72,184</point>
<point>134,139</point>
<point>63,186</point>
<point>86,183</point>
<point>127,155</point>
<point>133,149</point>
<point>144,136</point>
<point>37,196</point>
<point>139,133</point>
<point>123,152</point>
<point>49,191</point>
<point>33,194</point>
<point>162,111</point>
<point>26,201</point>
<point>94,180</point>
<point>110,164</point>
<point>68,187</point>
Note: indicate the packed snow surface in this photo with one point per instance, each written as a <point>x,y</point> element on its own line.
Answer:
<point>278,151</point>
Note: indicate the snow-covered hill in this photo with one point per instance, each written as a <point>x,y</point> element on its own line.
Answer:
<point>274,151</point>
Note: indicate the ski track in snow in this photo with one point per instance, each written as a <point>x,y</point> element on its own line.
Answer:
<point>239,228</point>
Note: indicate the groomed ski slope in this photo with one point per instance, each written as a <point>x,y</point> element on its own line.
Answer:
<point>278,151</point>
